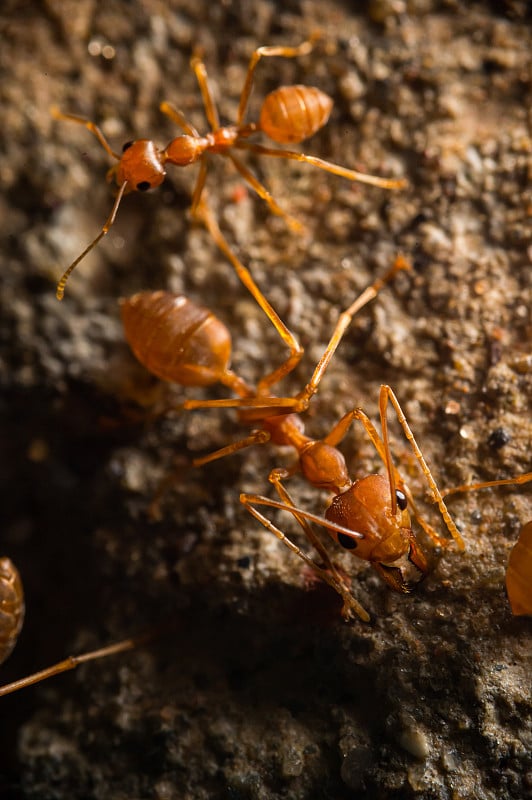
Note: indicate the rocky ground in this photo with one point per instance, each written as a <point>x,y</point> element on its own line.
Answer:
<point>257,689</point>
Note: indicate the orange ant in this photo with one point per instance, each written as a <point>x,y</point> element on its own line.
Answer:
<point>289,114</point>
<point>180,342</point>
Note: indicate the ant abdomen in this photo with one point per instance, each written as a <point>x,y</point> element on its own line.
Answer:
<point>291,114</point>
<point>11,607</point>
<point>175,339</point>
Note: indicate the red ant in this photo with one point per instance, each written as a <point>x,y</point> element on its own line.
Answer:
<point>179,341</point>
<point>289,114</point>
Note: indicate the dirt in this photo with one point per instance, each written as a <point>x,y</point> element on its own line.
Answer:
<point>256,687</point>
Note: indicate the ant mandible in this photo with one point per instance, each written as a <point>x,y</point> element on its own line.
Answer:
<point>289,114</point>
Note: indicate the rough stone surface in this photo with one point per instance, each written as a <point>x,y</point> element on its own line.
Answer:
<point>260,690</point>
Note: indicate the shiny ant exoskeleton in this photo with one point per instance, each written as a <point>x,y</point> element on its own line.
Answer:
<point>289,114</point>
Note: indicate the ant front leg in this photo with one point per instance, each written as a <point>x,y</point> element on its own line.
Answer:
<point>56,114</point>
<point>179,118</point>
<point>87,123</point>
<point>351,607</point>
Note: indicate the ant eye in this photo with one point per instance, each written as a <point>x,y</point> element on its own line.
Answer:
<point>347,541</point>
<point>143,186</point>
<point>401,499</point>
<point>126,146</point>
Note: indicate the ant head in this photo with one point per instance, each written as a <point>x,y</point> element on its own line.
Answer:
<point>366,508</point>
<point>141,165</point>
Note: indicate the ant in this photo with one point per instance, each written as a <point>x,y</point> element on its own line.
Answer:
<point>289,114</point>
<point>180,342</point>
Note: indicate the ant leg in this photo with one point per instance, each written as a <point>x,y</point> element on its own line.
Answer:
<point>60,291</point>
<point>204,213</point>
<point>211,111</point>
<point>386,394</point>
<point>195,210</point>
<point>343,323</point>
<point>267,52</point>
<point>473,487</point>
<point>276,477</point>
<point>255,401</point>
<point>179,118</point>
<point>263,193</point>
<point>328,166</point>
<point>73,661</point>
<point>351,606</point>
<point>256,437</point>
<point>56,114</point>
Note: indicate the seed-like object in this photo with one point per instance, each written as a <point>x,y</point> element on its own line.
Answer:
<point>11,607</point>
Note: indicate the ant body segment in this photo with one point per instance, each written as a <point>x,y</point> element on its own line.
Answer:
<point>289,114</point>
